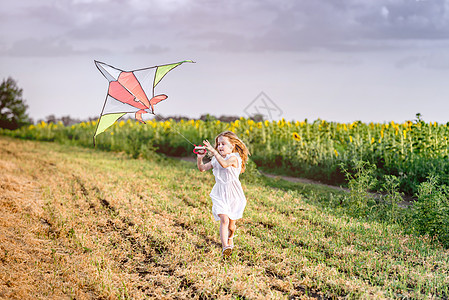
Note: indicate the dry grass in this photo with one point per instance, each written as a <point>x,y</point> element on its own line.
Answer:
<point>77,223</point>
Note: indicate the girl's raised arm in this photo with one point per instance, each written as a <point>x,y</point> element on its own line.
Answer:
<point>225,163</point>
<point>202,167</point>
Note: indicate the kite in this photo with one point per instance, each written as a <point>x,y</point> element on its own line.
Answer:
<point>128,92</point>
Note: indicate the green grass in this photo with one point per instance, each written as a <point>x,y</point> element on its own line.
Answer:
<point>124,227</point>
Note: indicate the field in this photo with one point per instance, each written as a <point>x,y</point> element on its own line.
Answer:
<point>320,150</point>
<point>82,223</point>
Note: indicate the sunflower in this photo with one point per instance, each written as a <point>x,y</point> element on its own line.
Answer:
<point>296,136</point>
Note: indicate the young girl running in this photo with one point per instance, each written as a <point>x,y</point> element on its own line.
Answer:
<point>228,201</point>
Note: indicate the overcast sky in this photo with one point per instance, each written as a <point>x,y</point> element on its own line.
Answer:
<point>338,60</point>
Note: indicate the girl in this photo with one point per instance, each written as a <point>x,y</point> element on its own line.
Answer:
<point>228,201</point>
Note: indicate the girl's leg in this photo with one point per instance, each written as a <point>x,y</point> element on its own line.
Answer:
<point>224,232</point>
<point>231,229</point>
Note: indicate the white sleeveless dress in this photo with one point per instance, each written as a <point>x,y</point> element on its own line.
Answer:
<point>227,193</point>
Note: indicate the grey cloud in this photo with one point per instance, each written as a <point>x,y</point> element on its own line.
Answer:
<point>265,25</point>
<point>346,25</point>
<point>438,61</point>
<point>424,20</point>
<point>46,47</point>
<point>336,25</point>
<point>91,19</point>
<point>74,27</point>
<point>150,49</point>
<point>57,14</point>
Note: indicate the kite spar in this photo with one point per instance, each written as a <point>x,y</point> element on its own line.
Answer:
<point>128,92</point>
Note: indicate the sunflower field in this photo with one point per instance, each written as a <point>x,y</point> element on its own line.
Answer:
<point>321,150</point>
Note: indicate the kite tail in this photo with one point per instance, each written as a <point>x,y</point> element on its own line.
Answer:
<point>139,116</point>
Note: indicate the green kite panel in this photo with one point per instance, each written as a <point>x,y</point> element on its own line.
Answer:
<point>162,70</point>
<point>106,121</point>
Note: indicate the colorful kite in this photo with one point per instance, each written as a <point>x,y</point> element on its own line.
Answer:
<point>128,92</point>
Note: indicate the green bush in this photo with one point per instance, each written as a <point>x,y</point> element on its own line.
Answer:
<point>431,210</point>
<point>360,181</point>
<point>388,203</point>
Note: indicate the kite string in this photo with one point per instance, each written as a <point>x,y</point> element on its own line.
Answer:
<point>178,132</point>
<point>184,137</point>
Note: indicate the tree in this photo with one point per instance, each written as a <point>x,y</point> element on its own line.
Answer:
<point>12,106</point>
<point>257,118</point>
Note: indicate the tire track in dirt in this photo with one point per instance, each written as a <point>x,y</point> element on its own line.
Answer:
<point>113,224</point>
<point>151,258</point>
<point>31,240</point>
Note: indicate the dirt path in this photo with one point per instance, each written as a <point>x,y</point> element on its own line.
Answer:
<point>304,180</point>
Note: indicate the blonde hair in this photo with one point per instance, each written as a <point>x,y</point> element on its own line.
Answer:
<point>239,146</point>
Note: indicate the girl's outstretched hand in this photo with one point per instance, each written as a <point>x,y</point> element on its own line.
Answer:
<point>208,146</point>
